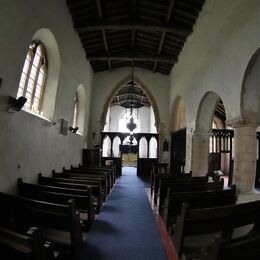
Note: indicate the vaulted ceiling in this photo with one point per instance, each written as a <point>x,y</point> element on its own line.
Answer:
<point>143,33</point>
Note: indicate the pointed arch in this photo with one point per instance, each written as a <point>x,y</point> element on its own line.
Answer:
<point>147,92</point>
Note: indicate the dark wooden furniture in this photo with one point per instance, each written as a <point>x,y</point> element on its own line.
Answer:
<point>185,187</point>
<point>83,198</point>
<point>223,220</point>
<point>16,246</point>
<point>95,186</point>
<point>221,144</point>
<point>87,172</point>
<point>236,249</point>
<point>111,170</point>
<point>20,214</point>
<point>185,177</point>
<point>91,157</point>
<point>145,166</point>
<point>196,199</point>
<point>178,150</point>
<point>84,177</point>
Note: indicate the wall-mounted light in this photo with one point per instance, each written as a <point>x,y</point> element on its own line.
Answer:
<point>73,129</point>
<point>16,104</point>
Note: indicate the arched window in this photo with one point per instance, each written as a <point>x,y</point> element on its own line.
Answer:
<point>75,111</point>
<point>33,77</point>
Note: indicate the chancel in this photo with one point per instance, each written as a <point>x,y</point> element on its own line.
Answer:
<point>129,129</point>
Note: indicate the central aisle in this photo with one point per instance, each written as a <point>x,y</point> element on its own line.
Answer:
<point>125,228</point>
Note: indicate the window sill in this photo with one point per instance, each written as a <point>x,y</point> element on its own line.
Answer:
<point>51,122</point>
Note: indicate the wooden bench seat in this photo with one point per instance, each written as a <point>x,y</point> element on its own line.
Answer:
<point>237,249</point>
<point>112,169</point>
<point>83,177</point>
<point>92,172</point>
<point>174,178</point>
<point>83,198</point>
<point>221,221</point>
<point>19,214</point>
<point>16,246</point>
<point>183,187</point>
<point>196,199</point>
<point>95,186</point>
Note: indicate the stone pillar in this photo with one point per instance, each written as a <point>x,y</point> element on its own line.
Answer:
<point>245,158</point>
<point>188,158</point>
<point>200,154</point>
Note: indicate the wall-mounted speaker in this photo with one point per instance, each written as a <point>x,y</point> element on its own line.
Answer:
<point>16,104</point>
<point>73,130</point>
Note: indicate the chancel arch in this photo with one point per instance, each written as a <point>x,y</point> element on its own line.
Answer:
<point>146,92</point>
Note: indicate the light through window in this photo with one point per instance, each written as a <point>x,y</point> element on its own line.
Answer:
<point>75,111</point>
<point>33,77</point>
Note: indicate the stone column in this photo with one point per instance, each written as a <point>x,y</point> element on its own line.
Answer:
<point>245,158</point>
<point>200,153</point>
<point>188,158</point>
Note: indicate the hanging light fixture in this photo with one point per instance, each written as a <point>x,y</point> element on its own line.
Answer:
<point>131,125</point>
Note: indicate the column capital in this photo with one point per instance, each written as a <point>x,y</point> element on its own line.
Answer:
<point>202,134</point>
<point>240,122</point>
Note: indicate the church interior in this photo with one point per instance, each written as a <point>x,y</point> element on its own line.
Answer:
<point>130,129</point>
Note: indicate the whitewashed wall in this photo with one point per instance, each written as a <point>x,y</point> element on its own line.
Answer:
<point>215,57</point>
<point>105,82</point>
<point>29,144</point>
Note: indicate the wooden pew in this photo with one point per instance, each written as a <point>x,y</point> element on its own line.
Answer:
<point>20,213</point>
<point>196,199</point>
<point>92,172</point>
<point>111,168</point>
<point>236,249</point>
<point>185,186</point>
<point>95,186</point>
<point>16,246</point>
<point>212,221</point>
<point>83,177</point>
<point>174,178</point>
<point>83,198</point>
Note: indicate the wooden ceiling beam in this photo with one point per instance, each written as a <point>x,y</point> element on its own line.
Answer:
<point>122,26</point>
<point>167,20</point>
<point>127,57</point>
<point>100,15</point>
<point>133,31</point>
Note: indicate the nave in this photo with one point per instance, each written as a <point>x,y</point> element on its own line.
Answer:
<point>126,227</point>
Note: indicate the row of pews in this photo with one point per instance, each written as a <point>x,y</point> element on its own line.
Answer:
<point>203,219</point>
<point>48,220</point>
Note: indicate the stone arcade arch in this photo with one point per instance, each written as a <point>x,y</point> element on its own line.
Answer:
<point>200,139</point>
<point>245,127</point>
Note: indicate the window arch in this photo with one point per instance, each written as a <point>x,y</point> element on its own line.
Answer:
<point>33,77</point>
<point>75,111</point>
<point>79,103</point>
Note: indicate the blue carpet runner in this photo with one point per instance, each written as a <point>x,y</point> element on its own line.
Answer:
<point>125,228</point>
